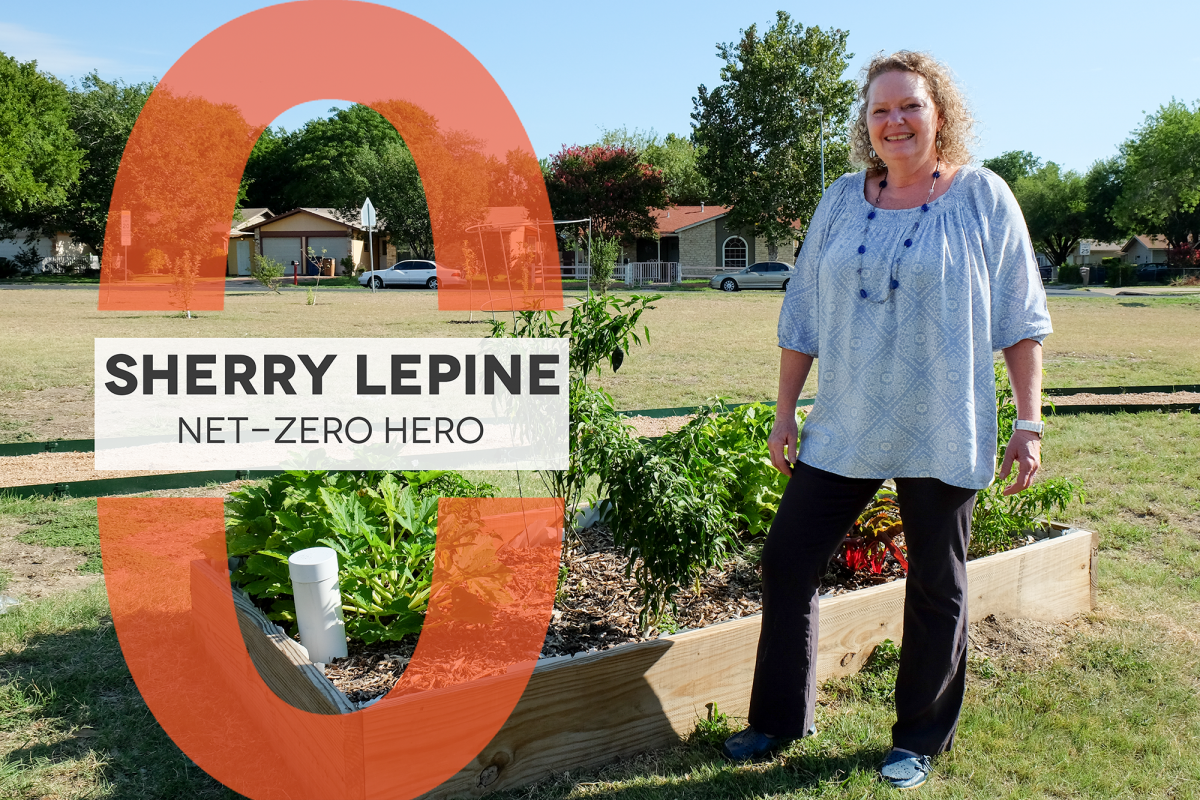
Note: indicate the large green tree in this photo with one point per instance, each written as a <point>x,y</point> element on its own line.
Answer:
<point>1014,165</point>
<point>1055,206</point>
<point>354,154</point>
<point>675,156</point>
<point>40,157</point>
<point>758,131</point>
<point>1104,184</point>
<point>1161,175</point>
<point>102,116</point>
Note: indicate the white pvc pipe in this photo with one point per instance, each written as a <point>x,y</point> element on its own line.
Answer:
<point>314,575</point>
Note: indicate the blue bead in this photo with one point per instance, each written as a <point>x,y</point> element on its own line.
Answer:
<point>883,184</point>
<point>895,283</point>
<point>871,215</point>
<point>862,248</point>
<point>924,206</point>
<point>862,292</point>
<point>908,242</point>
<point>937,174</point>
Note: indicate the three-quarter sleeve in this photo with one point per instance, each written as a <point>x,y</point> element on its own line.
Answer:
<point>1018,301</point>
<point>799,319</point>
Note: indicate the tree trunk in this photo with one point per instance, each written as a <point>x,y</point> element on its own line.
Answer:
<point>772,251</point>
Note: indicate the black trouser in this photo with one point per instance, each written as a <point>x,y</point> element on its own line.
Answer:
<point>817,510</point>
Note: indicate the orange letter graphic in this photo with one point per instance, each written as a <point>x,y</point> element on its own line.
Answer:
<point>177,186</point>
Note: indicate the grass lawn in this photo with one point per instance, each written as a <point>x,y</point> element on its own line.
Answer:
<point>1115,713</point>
<point>703,343</point>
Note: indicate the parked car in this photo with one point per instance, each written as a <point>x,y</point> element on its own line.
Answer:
<point>763,275</point>
<point>410,273</point>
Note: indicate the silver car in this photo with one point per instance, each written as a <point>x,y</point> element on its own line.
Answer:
<point>763,275</point>
<point>409,273</point>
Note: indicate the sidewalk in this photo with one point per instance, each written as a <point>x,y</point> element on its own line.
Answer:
<point>1146,291</point>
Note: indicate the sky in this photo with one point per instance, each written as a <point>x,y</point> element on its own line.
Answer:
<point>1068,81</point>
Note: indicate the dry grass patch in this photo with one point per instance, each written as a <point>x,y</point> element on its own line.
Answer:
<point>702,344</point>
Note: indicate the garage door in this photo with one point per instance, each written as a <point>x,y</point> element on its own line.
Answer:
<point>337,249</point>
<point>284,250</point>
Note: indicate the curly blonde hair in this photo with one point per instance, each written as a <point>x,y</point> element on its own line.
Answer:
<point>957,134</point>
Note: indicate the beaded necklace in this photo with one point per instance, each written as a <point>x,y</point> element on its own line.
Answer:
<point>893,282</point>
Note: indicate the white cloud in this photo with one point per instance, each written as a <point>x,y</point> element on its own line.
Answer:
<point>56,55</point>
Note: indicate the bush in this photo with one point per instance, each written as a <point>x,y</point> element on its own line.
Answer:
<point>1120,273</point>
<point>999,520</point>
<point>267,271</point>
<point>605,251</point>
<point>8,268</point>
<point>1069,273</point>
<point>382,524</point>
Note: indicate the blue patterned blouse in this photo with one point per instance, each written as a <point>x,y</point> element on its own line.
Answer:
<point>906,386</point>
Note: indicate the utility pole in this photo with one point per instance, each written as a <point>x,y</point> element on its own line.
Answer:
<point>821,111</point>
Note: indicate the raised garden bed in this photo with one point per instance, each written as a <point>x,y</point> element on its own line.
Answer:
<point>584,710</point>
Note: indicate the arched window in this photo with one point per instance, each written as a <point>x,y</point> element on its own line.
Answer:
<point>735,253</point>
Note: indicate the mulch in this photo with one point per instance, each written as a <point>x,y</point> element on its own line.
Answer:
<point>597,609</point>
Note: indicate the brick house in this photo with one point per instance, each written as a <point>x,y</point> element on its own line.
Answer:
<point>698,237</point>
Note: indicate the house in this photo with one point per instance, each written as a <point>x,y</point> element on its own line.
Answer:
<point>1098,252</point>
<point>698,237</point>
<point>56,253</point>
<point>287,237</point>
<point>241,240</point>
<point>1145,250</point>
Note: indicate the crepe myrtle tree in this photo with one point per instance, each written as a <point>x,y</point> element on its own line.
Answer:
<point>758,133</point>
<point>611,184</point>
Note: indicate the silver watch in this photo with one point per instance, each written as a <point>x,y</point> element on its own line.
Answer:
<point>1029,425</point>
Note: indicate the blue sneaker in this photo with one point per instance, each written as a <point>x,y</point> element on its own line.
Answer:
<point>905,770</point>
<point>750,744</point>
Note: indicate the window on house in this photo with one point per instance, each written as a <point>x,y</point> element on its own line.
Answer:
<point>735,253</point>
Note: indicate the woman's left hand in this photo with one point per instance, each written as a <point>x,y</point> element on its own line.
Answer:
<point>1025,450</point>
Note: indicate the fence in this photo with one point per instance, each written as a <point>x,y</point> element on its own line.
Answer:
<point>637,273</point>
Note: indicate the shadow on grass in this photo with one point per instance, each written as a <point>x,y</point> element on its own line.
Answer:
<point>71,716</point>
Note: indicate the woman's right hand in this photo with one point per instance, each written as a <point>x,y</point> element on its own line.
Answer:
<point>784,441</point>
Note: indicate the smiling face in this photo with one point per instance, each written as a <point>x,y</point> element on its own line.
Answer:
<point>902,120</point>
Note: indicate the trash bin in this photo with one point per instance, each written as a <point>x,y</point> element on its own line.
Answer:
<point>1084,273</point>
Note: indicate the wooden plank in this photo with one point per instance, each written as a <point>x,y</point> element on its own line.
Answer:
<point>338,755</point>
<point>281,662</point>
<point>583,711</point>
<point>588,710</point>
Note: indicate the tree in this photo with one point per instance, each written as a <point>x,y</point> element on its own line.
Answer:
<point>357,153</point>
<point>758,132</point>
<point>40,157</point>
<point>1014,165</point>
<point>1161,175</point>
<point>102,117</point>
<point>1055,207</point>
<point>1103,186</point>
<point>611,185</point>
<point>674,155</point>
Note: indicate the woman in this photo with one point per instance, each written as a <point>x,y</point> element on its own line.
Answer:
<point>912,273</point>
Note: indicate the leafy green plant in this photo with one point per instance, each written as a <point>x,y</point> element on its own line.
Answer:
<point>382,524</point>
<point>740,438</point>
<point>1069,273</point>
<point>670,507</point>
<point>599,329</point>
<point>998,520</point>
<point>605,252</point>
<point>267,271</point>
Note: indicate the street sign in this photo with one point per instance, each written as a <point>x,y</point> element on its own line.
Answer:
<point>368,214</point>
<point>1085,248</point>
<point>126,229</point>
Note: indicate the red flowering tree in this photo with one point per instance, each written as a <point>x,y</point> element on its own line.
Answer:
<point>1185,255</point>
<point>609,184</point>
